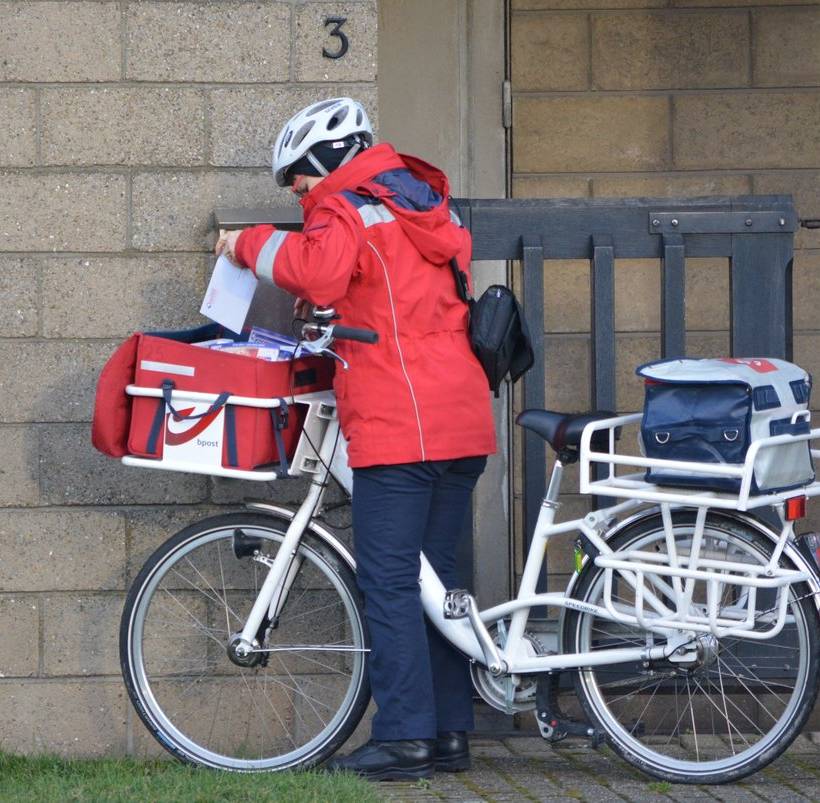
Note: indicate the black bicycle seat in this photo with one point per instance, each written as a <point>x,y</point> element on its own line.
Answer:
<point>563,431</point>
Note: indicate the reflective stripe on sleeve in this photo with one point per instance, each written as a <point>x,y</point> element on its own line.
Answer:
<point>454,218</point>
<point>266,257</point>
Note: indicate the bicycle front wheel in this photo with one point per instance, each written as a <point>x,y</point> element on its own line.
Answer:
<point>293,704</point>
<point>735,703</point>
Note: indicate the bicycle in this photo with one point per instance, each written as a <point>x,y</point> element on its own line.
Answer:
<point>243,641</point>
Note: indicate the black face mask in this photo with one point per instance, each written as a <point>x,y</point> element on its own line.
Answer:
<point>326,154</point>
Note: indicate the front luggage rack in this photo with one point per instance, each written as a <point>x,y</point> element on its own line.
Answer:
<point>635,486</point>
<point>668,590</point>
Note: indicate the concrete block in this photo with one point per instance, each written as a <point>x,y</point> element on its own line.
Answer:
<point>590,133</point>
<point>804,185</point>
<point>60,41</point>
<point>148,528</point>
<point>20,290</point>
<point>64,717</point>
<point>49,380</point>
<point>63,212</point>
<point>566,295</point>
<point>807,353</point>
<point>18,145</point>
<point>806,289</point>
<point>759,130</point>
<point>538,5</point>
<point>19,468</point>
<point>716,3</point>
<point>19,650</point>
<point>72,473</point>
<point>567,372</point>
<point>707,294</point>
<point>632,350</point>
<point>174,211</point>
<point>189,41</point>
<point>311,36</point>
<point>115,296</point>
<point>550,187</point>
<point>227,491</point>
<point>245,121</point>
<point>49,550</point>
<point>144,126</point>
<point>637,295</point>
<point>707,344</point>
<point>551,52</point>
<point>672,184</point>
<point>79,634</point>
<point>785,50</point>
<point>670,49</point>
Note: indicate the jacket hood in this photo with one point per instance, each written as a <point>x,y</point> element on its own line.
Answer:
<point>415,192</point>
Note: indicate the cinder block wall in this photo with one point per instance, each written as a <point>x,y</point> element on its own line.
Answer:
<point>123,125</point>
<point>662,98</point>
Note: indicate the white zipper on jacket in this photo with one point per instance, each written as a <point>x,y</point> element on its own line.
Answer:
<point>398,347</point>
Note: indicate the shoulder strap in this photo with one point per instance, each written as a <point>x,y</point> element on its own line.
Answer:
<point>460,277</point>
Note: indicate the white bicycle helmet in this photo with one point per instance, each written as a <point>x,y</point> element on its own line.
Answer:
<point>328,120</point>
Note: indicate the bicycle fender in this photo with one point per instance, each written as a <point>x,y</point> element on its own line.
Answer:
<point>313,527</point>
<point>752,521</point>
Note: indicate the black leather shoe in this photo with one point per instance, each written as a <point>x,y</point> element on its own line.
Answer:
<point>400,760</point>
<point>452,752</point>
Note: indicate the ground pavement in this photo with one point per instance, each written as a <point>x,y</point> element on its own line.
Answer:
<point>526,768</point>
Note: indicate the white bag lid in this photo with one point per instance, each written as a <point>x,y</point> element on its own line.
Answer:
<point>751,371</point>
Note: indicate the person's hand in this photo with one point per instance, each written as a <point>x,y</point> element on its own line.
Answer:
<point>226,245</point>
<point>302,308</point>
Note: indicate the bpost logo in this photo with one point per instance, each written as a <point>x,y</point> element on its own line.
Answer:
<point>179,429</point>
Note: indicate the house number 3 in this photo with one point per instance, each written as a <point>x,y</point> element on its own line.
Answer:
<point>337,31</point>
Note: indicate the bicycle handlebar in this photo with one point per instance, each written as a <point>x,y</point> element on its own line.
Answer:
<point>350,333</point>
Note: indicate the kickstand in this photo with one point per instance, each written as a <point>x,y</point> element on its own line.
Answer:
<point>552,722</point>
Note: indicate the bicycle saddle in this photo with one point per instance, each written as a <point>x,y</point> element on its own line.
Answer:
<point>563,431</point>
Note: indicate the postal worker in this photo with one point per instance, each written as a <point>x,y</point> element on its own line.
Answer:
<point>376,244</point>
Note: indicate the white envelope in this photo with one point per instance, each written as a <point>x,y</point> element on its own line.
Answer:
<point>229,294</point>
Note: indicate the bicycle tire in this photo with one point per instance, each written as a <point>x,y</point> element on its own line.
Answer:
<point>717,759</point>
<point>162,667</point>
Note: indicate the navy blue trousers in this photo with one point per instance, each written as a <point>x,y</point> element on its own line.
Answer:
<point>421,685</point>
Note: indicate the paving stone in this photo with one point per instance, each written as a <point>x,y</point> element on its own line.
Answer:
<point>20,291</point>
<point>60,41</point>
<point>18,135</point>
<point>65,717</point>
<point>48,550</point>
<point>804,185</point>
<point>113,126</point>
<point>174,211</point>
<point>73,473</point>
<point>670,49</point>
<point>551,52</point>
<point>673,184</point>
<point>779,35</point>
<point>590,133</point>
<point>19,651</point>
<point>19,468</point>
<point>79,634</point>
<point>550,187</point>
<point>49,380</point>
<point>246,121</point>
<point>63,212</point>
<point>115,296</point>
<point>187,41</point>
<point>758,130</point>
<point>311,36</point>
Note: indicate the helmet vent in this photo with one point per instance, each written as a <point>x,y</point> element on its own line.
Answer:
<point>358,117</point>
<point>301,134</point>
<point>337,119</point>
<point>317,107</point>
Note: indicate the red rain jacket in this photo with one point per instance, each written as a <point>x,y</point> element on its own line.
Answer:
<point>376,245</point>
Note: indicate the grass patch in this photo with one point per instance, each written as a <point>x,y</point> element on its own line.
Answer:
<point>46,779</point>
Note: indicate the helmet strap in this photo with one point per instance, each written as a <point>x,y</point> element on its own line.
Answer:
<point>323,171</point>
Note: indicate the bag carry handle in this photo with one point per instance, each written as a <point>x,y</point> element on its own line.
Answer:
<point>167,388</point>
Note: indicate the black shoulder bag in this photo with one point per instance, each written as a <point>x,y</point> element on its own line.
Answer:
<point>498,331</point>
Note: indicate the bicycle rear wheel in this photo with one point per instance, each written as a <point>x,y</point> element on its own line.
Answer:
<point>294,705</point>
<point>731,708</point>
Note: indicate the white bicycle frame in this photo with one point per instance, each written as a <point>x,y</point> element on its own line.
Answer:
<point>663,584</point>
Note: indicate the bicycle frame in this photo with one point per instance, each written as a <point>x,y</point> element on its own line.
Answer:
<point>663,589</point>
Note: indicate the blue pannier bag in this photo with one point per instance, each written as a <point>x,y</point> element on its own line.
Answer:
<point>712,410</point>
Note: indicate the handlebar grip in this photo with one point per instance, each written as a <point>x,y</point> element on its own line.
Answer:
<point>349,333</point>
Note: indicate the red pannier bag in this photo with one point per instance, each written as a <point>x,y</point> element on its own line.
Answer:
<point>124,424</point>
